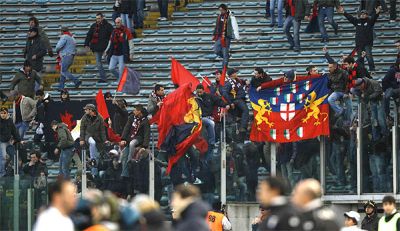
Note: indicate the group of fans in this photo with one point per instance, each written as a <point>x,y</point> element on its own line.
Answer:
<point>122,167</point>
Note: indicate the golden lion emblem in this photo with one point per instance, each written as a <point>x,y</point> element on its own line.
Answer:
<point>311,105</point>
<point>262,107</point>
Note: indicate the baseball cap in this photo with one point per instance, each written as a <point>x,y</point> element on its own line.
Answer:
<point>353,214</point>
<point>369,203</point>
<point>90,106</point>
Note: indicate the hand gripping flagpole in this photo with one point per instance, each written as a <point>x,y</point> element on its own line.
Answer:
<point>223,161</point>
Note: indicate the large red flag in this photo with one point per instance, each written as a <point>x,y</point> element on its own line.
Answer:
<point>101,105</point>
<point>180,75</point>
<point>223,76</point>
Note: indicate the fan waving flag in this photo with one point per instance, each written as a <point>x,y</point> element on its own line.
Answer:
<point>292,111</point>
<point>180,75</point>
<point>101,105</point>
<point>179,123</point>
<point>129,82</point>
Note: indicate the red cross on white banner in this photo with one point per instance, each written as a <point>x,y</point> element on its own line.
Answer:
<point>288,111</point>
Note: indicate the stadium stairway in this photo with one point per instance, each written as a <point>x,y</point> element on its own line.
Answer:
<point>187,37</point>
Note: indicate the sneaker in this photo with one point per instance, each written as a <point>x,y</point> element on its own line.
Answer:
<point>198,181</point>
<point>162,19</point>
<point>392,21</point>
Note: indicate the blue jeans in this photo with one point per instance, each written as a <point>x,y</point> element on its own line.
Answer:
<point>21,128</point>
<point>335,96</point>
<point>139,14</point>
<point>163,7</point>
<point>127,156</point>
<point>337,160</point>
<point>113,64</point>
<point>3,152</point>
<point>370,58</point>
<point>280,12</point>
<point>378,116</point>
<point>222,52</point>
<point>328,13</point>
<point>115,15</point>
<point>126,20</point>
<point>65,161</point>
<point>209,125</point>
<point>287,173</point>
<point>377,166</point>
<point>99,65</point>
<point>66,62</point>
<point>390,93</point>
<point>242,106</point>
<point>294,40</point>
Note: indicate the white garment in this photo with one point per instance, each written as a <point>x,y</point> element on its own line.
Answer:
<point>52,219</point>
<point>226,224</point>
<point>351,228</point>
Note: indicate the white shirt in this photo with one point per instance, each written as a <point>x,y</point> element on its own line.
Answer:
<point>351,228</point>
<point>226,224</point>
<point>51,219</point>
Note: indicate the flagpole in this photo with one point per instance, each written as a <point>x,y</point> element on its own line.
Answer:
<point>151,167</point>
<point>115,95</point>
<point>223,162</point>
<point>204,80</point>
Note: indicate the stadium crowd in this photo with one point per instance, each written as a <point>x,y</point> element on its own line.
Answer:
<point>122,167</point>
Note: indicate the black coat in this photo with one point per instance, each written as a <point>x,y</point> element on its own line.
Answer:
<point>193,218</point>
<point>105,31</point>
<point>390,81</point>
<point>143,134</point>
<point>37,47</point>
<point>208,102</point>
<point>119,120</point>
<point>370,223</point>
<point>322,219</point>
<point>35,170</point>
<point>302,9</point>
<point>282,218</point>
<point>8,130</point>
<point>364,29</point>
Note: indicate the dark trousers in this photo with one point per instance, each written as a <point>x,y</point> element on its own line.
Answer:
<point>244,110</point>
<point>163,7</point>
<point>393,13</point>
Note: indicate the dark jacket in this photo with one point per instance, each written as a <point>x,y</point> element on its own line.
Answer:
<point>279,218</point>
<point>119,119</point>
<point>64,136</point>
<point>364,29</point>
<point>93,127</point>
<point>35,170</point>
<point>35,46</point>
<point>370,223</point>
<point>287,152</point>
<point>391,79</point>
<point>302,9</point>
<point>373,90</point>
<point>338,80</point>
<point>26,84</point>
<point>327,3</point>
<point>143,134</point>
<point>125,7</point>
<point>45,39</point>
<point>104,33</point>
<point>208,102</point>
<point>125,48</point>
<point>8,130</point>
<point>193,218</point>
<point>227,92</point>
<point>218,28</point>
<point>256,82</point>
<point>322,219</point>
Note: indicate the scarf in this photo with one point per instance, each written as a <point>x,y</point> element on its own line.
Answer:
<point>224,27</point>
<point>58,59</point>
<point>95,38</point>
<point>236,85</point>
<point>118,37</point>
<point>136,124</point>
<point>157,97</point>
<point>352,76</point>
<point>292,8</point>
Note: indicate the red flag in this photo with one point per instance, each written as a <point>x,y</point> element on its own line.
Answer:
<point>101,105</point>
<point>180,75</point>
<point>112,137</point>
<point>223,76</point>
<point>122,80</point>
<point>201,145</point>
<point>206,84</point>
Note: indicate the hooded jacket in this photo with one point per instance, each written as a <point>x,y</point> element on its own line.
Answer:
<point>8,130</point>
<point>193,218</point>
<point>364,29</point>
<point>65,139</point>
<point>26,84</point>
<point>373,90</point>
<point>391,79</point>
<point>93,127</point>
<point>35,46</point>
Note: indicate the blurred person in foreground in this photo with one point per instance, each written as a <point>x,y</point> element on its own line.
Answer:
<point>390,220</point>
<point>62,196</point>
<point>371,219</point>
<point>217,221</point>
<point>188,209</point>
<point>283,215</point>
<point>351,220</point>
<point>259,218</point>
<point>314,216</point>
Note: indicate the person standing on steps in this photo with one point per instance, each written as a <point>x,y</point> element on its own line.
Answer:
<point>120,48</point>
<point>33,22</point>
<point>326,10</point>
<point>66,47</point>
<point>295,12</point>
<point>97,40</point>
